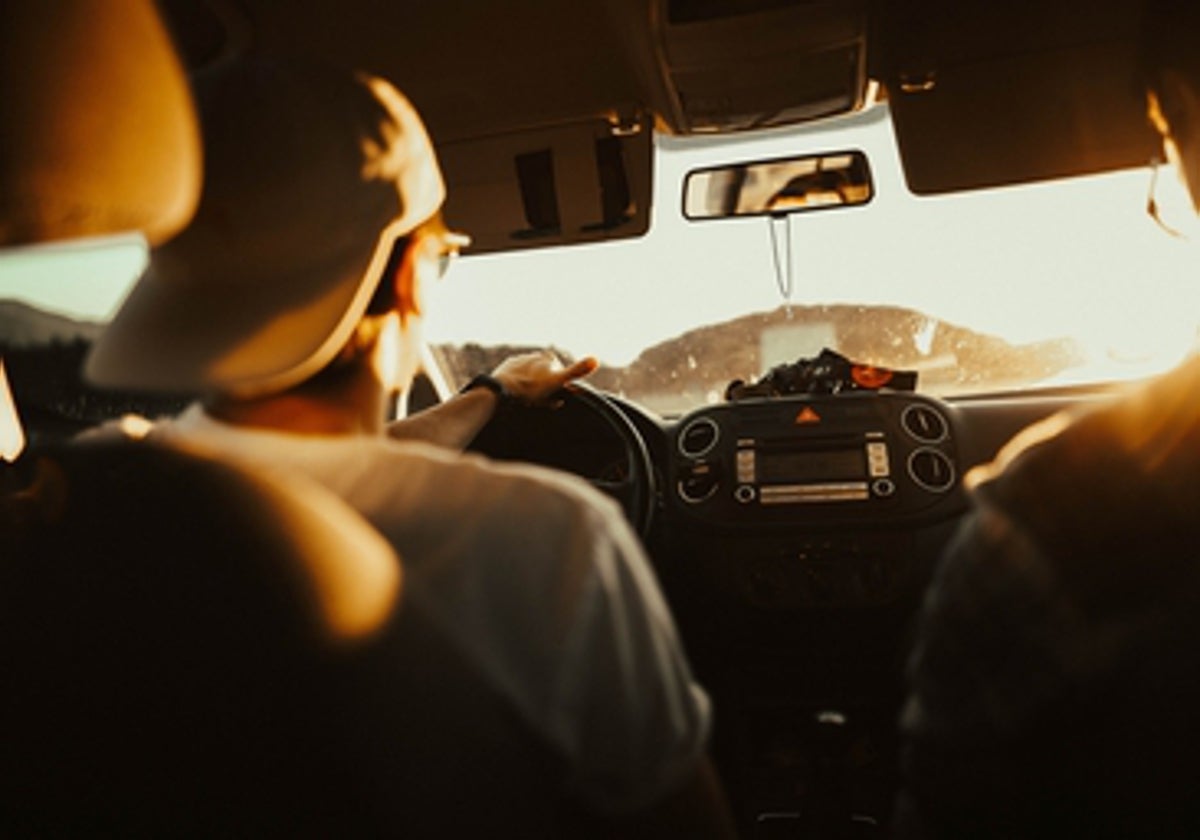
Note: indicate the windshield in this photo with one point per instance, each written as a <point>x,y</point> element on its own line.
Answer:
<point>1050,284</point>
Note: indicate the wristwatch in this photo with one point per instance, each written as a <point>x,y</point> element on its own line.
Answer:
<point>485,380</point>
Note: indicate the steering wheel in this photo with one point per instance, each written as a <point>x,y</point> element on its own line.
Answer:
<point>576,436</point>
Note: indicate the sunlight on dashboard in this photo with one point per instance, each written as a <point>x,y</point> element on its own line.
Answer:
<point>135,427</point>
<point>12,436</point>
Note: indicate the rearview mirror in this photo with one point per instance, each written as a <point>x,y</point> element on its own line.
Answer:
<point>778,187</point>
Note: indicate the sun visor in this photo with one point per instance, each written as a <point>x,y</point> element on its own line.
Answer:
<point>1013,93</point>
<point>582,181</point>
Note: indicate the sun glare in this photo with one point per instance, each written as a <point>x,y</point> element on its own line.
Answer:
<point>135,427</point>
<point>12,436</point>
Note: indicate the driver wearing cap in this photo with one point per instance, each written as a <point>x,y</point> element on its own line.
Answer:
<point>293,303</point>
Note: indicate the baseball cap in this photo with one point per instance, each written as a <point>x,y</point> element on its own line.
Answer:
<point>311,174</point>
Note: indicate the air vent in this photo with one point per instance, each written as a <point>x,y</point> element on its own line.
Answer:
<point>698,437</point>
<point>925,424</point>
<point>931,470</point>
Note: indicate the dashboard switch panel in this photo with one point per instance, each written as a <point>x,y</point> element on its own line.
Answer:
<point>876,457</point>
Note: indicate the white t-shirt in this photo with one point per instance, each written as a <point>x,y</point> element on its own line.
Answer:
<point>539,579</point>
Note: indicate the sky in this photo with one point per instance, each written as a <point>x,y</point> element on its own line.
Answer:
<point>1026,263</point>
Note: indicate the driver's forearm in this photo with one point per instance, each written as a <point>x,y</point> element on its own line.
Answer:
<point>452,424</point>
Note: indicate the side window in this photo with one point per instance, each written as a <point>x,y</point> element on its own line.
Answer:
<point>54,302</point>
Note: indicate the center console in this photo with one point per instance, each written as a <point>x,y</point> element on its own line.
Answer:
<point>862,459</point>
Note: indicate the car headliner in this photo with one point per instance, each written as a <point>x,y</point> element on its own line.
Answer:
<point>982,94</point>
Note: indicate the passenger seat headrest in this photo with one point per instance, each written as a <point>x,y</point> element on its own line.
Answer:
<point>100,134</point>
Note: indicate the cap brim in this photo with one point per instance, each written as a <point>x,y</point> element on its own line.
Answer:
<point>185,335</point>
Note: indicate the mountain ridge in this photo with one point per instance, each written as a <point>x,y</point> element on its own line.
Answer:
<point>24,325</point>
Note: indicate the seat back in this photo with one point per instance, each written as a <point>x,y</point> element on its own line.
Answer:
<point>171,664</point>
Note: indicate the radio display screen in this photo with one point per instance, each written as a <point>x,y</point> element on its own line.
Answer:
<point>808,466</point>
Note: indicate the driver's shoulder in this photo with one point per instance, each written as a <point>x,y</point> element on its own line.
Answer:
<point>506,521</point>
<point>483,488</point>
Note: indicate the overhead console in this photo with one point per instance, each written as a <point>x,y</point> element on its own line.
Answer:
<point>730,65</point>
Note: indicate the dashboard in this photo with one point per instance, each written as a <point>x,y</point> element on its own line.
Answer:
<point>794,538</point>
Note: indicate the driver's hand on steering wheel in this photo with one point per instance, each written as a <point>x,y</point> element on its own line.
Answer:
<point>534,378</point>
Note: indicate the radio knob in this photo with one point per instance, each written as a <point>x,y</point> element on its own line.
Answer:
<point>744,494</point>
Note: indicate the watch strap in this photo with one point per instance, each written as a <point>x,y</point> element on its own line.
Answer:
<point>491,383</point>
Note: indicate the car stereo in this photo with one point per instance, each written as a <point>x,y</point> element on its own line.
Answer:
<point>862,455</point>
